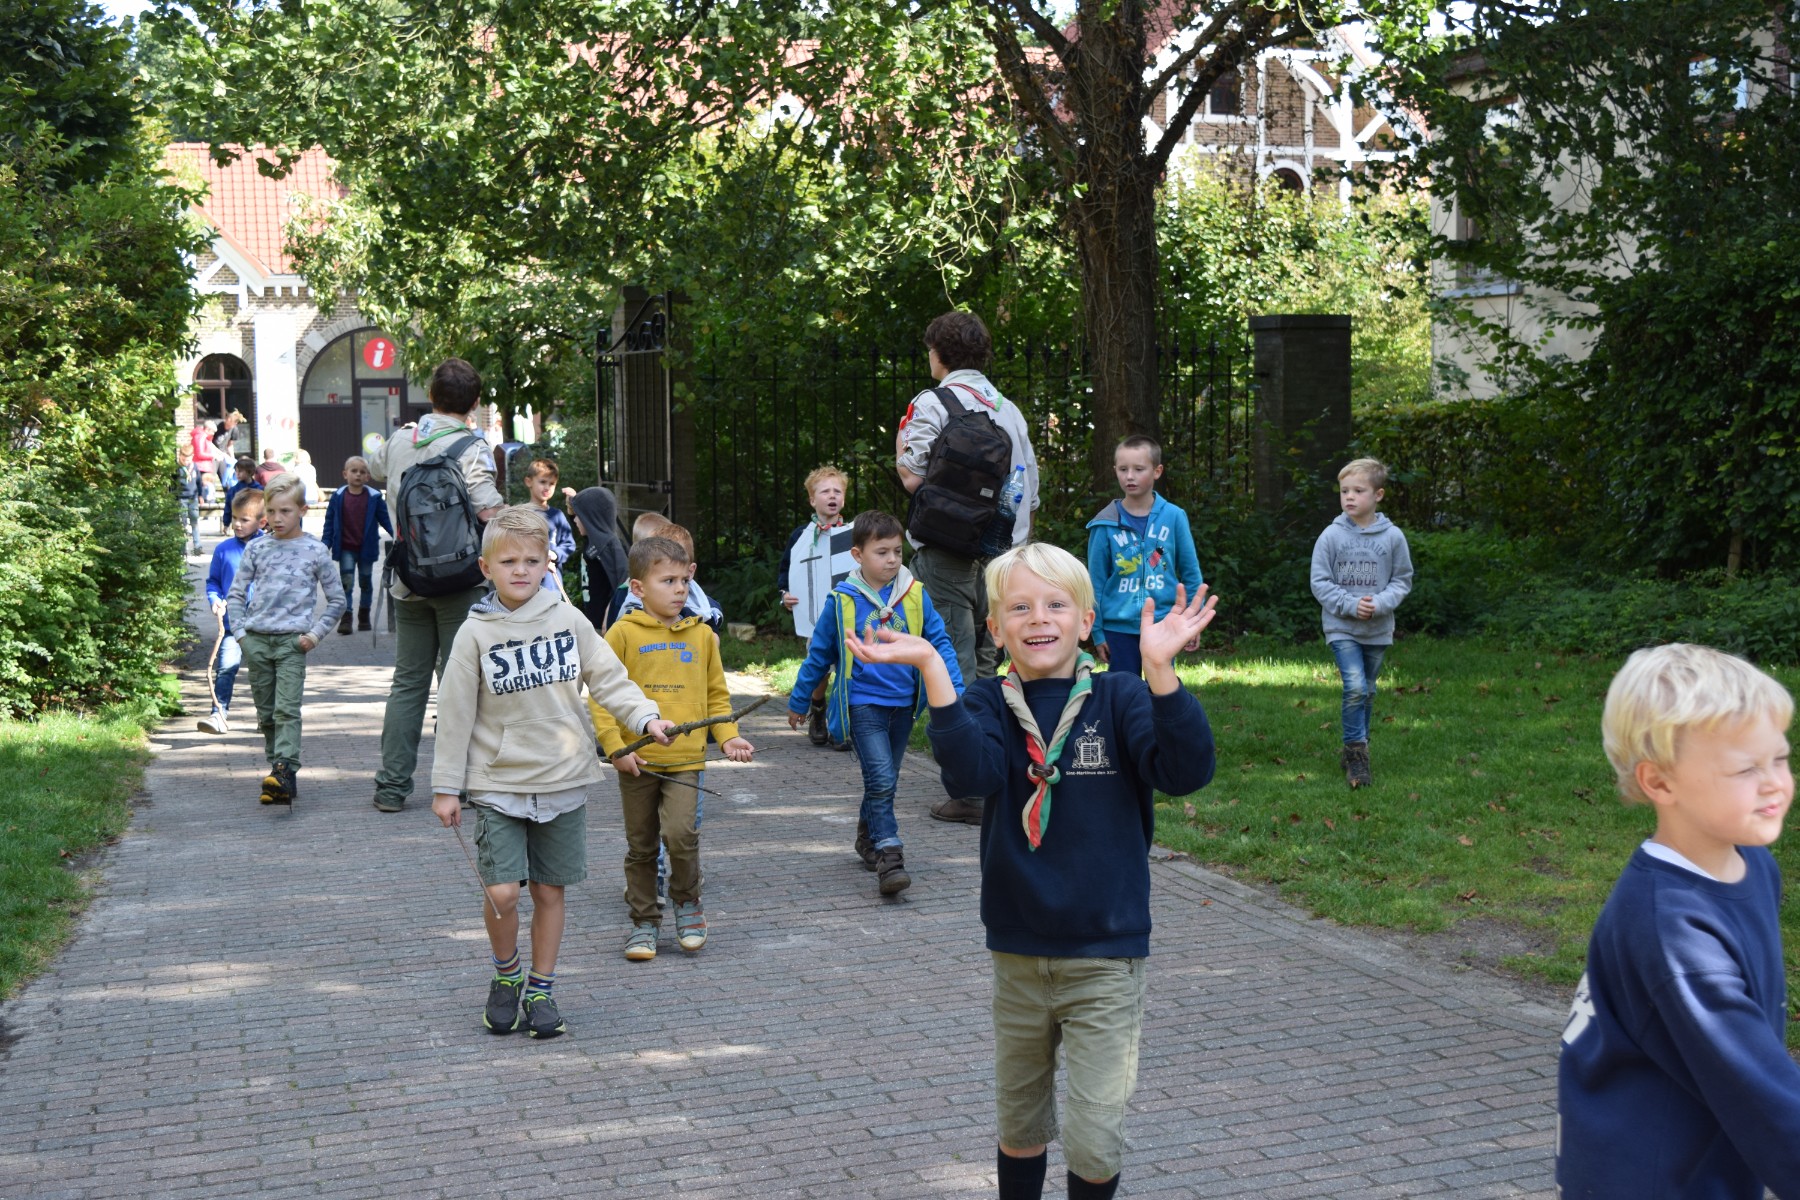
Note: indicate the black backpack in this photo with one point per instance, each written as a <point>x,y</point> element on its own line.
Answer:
<point>969,464</point>
<point>437,535</point>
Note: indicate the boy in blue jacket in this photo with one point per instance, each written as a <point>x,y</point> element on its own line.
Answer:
<point>1066,902</point>
<point>1675,1081</point>
<point>873,705</point>
<point>354,516</point>
<point>246,527</point>
<point>1139,547</point>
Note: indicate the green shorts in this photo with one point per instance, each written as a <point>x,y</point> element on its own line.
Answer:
<point>512,848</point>
<point>1093,1009</point>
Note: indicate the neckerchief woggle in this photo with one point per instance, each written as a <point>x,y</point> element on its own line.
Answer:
<point>1042,768</point>
<point>884,609</point>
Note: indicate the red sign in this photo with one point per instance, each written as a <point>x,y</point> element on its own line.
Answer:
<point>379,353</point>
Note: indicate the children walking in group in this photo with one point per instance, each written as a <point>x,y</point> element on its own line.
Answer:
<point>275,614</point>
<point>1361,571</point>
<point>540,482</point>
<point>354,518</point>
<point>873,706</point>
<point>675,659</point>
<point>246,526</point>
<point>511,694</point>
<point>1065,889</point>
<point>816,560</point>
<point>1139,548</point>
<point>1675,1078</point>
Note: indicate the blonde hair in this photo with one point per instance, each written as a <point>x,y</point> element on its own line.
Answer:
<point>1054,565</point>
<point>648,525</point>
<point>1372,469</point>
<point>283,485</point>
<point>515,523</point>
<point>825,471</point>
<point>248,498</point>
<point>680,536</point>
<point>1662,692</point>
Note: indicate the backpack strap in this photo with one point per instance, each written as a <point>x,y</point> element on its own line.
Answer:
<point>946,394</point>
<point>455,449</point>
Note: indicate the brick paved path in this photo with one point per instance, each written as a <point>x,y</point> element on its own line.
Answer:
<point>289,1005</point>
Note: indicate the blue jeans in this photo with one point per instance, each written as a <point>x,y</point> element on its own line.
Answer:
<point>1360,666</point>
<point>365,574</point>
<point>879,733</point>
<point>190,520</point>
<point>225,671</point>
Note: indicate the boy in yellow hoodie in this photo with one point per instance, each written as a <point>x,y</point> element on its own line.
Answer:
<point>512,733</point>
<point>675,660</point>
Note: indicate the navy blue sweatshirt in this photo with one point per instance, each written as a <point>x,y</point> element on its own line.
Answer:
<point>1675,1081</point>
<point>1085,891</point>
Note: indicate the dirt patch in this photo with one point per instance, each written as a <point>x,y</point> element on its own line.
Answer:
<point>1482,944</point>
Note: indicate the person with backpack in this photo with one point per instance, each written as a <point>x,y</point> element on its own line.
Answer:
<point>439,476</point>
<point>964,452</point>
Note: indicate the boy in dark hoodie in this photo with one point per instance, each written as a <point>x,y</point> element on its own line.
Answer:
<point>1361,571</point>
<point>595,513</point>
<point>1066,902</point>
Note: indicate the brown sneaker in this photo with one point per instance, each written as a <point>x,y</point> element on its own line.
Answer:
<point>965,812</point>
<point>1355,760</point>
<point>890,871</point>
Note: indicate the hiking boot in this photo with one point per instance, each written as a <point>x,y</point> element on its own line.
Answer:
<point>1355,760</point>
<point>344,623</point>
<point>966,812</point>
<point>890,871</point>
<point>865,849</point>
<point>690,925</point>
<point>640,945</point>
<point>540,1019</point>
<point>815,724</point>
<point>362,620</point>
<point>279,786</point>
<point>213,723</point>
<point>389,803</point>
<point>502,1012</point>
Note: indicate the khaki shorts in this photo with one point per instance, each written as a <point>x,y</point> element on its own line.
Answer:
<point>1094,1009</point>
<point>511,848</point>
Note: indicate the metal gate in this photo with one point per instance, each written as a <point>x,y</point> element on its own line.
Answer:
<point>634,400</point>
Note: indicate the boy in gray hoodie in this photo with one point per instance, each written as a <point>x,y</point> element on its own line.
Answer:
<point>1361,571</point>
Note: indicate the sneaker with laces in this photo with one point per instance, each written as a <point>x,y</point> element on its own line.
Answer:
<point>690,925</point>
<point>502,1012</point>
<point>890,871</point>
<point>540,1018</point>
<point>213,722</point>
<point>280,786</point>
<point>640,944</point>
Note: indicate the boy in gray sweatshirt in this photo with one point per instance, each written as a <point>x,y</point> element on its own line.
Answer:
<point>1361,571</point>
<point>274,613</point>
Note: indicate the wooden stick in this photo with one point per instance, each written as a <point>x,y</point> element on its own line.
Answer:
<point>685,783</point>
<point>690,726</point>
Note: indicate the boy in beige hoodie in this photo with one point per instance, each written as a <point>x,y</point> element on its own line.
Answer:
<point>511,694</point>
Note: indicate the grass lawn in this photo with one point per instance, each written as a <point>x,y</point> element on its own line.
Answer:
<point>1492,800</point>
<point>65,788</point>
<point>1492,797</point>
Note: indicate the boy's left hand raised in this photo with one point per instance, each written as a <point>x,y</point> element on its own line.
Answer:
<point>737,749</point>
<point>1159,641</point>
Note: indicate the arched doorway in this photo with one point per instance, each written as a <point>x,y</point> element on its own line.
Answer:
<point>355,392</point>
<point>1288,179</point>
<point>222,385</point>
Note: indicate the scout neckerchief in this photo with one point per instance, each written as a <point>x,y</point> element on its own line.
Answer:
<point>1042,768</point>
<point>884,609</point>
<point>820,528</point>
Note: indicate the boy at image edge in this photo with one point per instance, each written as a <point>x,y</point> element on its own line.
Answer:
<point>511,694</point>
<point>1065,888</point>
<point>1675,1082</point>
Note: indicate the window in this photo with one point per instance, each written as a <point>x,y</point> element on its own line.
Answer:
<point>1225,99</point>
<point>221,384</point>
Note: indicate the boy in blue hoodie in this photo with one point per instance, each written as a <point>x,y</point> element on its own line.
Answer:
<point>1361,571</point>
<point>873,705</point>
<point>1066,902</point>
<point>1139,547</point>
<point>246,527</point>
<point>354,518</point>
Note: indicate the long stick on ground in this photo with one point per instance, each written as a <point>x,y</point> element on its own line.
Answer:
<point>690,726</point>
<point>212,663</point>
<point>466,854</point>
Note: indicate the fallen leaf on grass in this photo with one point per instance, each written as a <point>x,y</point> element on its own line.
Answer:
<point>1186,808</point>
<point>1465,896</point>
<point>1465,839</point>
<point>1280,762</point>
<point>1330,824</point>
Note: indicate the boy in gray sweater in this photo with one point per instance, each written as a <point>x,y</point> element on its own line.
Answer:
<point>274,613</point>
<point>1361,571</point>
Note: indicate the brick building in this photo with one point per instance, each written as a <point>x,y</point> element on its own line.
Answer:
<point>327,382</point>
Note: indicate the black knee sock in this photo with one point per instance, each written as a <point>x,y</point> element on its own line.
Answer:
<point>1022,1178</point>
<point>1081,1189</point>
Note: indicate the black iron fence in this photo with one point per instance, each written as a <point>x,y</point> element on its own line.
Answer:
<point>760,423</point>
